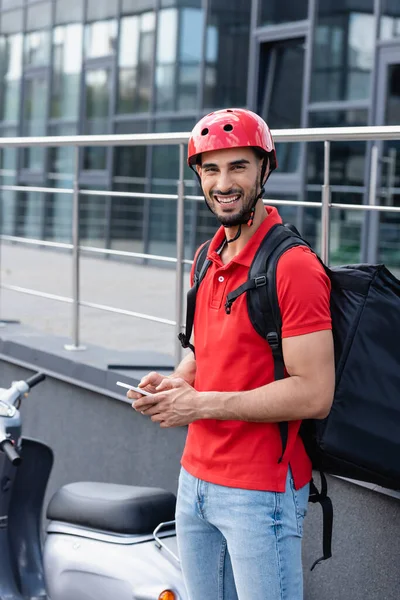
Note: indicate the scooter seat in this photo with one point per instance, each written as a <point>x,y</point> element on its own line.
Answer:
<point>112,507</point>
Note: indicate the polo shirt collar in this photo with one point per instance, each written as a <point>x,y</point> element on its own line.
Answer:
<point>246,255</point>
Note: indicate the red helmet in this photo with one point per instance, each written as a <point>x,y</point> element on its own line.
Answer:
<point>231,128</point>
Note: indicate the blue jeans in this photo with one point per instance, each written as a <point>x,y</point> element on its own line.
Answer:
<point>237,544</point>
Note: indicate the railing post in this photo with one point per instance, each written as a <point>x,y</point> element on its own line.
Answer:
<point>75,258</point>
<point>180,229</point>
<point>326,200</point>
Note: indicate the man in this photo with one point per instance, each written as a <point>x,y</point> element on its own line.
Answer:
<point>240,509</point>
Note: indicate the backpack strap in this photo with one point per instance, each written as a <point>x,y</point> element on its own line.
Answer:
<point>265,315</point>
<point>201,266</point>
<point>263,307</point>
<point>327,516</point>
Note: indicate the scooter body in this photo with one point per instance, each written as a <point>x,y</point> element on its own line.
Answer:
<point>104,566</point>
<point>100,545</point>
<point>103,540</point>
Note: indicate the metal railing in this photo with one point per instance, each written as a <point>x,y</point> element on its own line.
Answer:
<point>325,135</point>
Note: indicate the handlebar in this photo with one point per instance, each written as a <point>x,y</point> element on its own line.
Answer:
<point>8,448</point>
<point>35,379</point>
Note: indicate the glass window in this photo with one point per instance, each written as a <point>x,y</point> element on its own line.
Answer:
<point>37,40</point>
<point>343,53</point>
<point>135,62</point>
<point>165,171</point>
<point>37,48</point>
<point>97,110</point>
<point>67,59</point>
<point>390,20</point>
<point>10,3</point>
<point>100,38</point>
<point>93,218</point>
<point>226,66</point>
<point>10,66</point>
<point>166,58</point>
<point>276,11</point>
<point>347,158</point>
<point>130,161</point>
<point>190,50</point>
<point>34,118</point>
<point>38,16</point>
<point>8,166</point>
<point>11,22</point>
<point>281,93</point>
<point>98,10</point>
<point>30,214</point>
<point>58,215</point>
<point>62,158</point>
<point>130,176</point>
<point>68,12</point>
<point>137,6</point>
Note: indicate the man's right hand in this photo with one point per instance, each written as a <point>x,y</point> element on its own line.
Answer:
<point>149,383</point>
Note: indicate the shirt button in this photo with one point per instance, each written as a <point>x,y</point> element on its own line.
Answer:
<point>220,278</point>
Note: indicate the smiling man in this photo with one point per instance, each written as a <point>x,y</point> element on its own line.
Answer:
<point>241,504</point>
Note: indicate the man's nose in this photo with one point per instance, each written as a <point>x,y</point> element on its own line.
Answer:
<point>224,183</point>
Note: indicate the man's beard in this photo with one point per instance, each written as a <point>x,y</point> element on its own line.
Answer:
<point>240,218</point>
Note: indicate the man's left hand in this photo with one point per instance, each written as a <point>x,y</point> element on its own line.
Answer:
<point>173,405</point>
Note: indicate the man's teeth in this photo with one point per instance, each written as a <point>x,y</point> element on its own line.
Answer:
<point>227,199</point>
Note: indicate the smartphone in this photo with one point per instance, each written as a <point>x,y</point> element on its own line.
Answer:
<point>135,389</point>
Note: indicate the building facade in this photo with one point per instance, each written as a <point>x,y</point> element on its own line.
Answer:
<point>135,66</point>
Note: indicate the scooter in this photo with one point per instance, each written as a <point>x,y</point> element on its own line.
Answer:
<point>104,541</point>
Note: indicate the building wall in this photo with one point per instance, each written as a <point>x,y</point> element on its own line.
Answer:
<point>94,66</point>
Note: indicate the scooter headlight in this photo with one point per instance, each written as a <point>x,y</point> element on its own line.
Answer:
<point>167,595</point>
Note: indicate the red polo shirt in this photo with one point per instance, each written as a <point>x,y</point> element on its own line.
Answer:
<point>232,356</point>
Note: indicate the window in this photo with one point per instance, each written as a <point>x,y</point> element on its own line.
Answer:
<point>68,12</point>
<point>37,50</point>
<point>190,50</point>
<point>8,165</point>
<point>10,3</point>
<point>130,176</point>
<point>135,63</point>
<point>34,117</point>
<point>166,58</point>
<point>10,66</point>
<point>98,10</point>
<point>97,112</point>
<point>58,215</point>
<point>390,20</point>
<point>179,49</point>
<point>130,161</point>
<point>227,42</point>
<point>343,54</point>
<point>281,91</point>
<point>347,158</point>
<point>100,38</point>
<point>67,59</point>
<point>273,12</point>
<point>165,171</point>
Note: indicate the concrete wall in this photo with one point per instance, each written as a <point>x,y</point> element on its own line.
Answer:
<point>99,437</point>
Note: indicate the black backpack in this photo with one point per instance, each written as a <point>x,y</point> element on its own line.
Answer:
<point>360,438</point>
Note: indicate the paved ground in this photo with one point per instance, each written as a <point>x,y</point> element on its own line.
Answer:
<point>143,289</point>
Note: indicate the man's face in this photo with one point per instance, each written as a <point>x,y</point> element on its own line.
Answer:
<point>231,181</point>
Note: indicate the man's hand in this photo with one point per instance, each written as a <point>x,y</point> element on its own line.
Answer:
<point>174,403</point>
<point>149,383</point>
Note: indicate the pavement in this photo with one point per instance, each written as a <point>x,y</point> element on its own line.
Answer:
<point>145,289</point>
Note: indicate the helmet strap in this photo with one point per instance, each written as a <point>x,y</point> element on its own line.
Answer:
<point>239,231</point>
